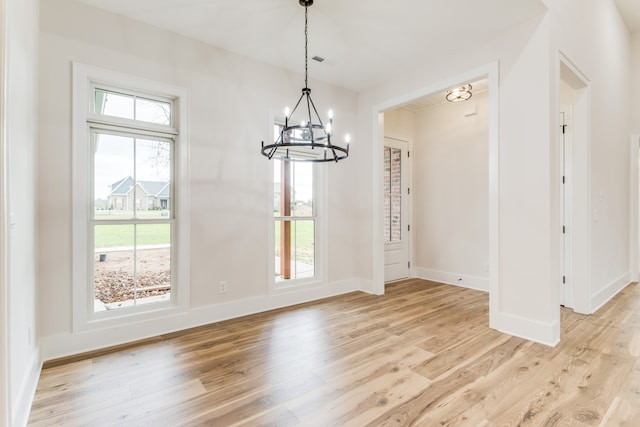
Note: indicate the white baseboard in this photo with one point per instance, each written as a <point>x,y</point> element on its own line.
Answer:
<point>611,290</point>
<point>27,392</point>
<point>67,344</point>
<point>532,330</point>
<point>462,280</point>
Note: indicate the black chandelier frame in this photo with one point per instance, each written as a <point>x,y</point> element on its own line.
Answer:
<point>310,140</point>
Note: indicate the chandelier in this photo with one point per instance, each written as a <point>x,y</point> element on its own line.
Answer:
<point>458,94</point>
<point>304,136</point>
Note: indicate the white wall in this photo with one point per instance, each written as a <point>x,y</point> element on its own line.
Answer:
<point>400,123</point>
<point>524,289</point>
<point>451,193</point>
<point>232,99</point>
<point>635,82</point>
<point>521,304</point>
<point>21,127</point>
<point>594,38</point>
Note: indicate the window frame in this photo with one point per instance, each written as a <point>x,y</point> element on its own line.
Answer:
<point>319,218</point>
<point>85,120</point>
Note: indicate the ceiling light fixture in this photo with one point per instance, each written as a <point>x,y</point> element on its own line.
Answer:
<point>458,94</point>
<point>309,139</point>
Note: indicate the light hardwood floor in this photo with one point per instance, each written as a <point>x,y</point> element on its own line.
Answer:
<point>420,355</point>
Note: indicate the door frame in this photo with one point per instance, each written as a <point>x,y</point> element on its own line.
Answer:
<point>565,146</point>
<point>6,410</point>
<point>580,202</point>
<point>407,207</point>
<point>634,202</point>
<point>491,72</point>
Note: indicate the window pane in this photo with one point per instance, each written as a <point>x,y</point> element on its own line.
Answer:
<point>124,189</point>
<point>302,189</point>
<point>294,249</point>
<point>132,265</point>
<point>387,218</point>
<point>158,112</point>
<point>113,176</point>
<point>396,223</point>
<point>304,256</point>
<point>294,179</point>
<point>114,104</point>
<point>387,170</point>
<point>396,171</point>
<point>153,263</point>
<point>153,178</point>
<point>114,273</point>
<point>277,184</point>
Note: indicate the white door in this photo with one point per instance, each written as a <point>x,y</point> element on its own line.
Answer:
<point>396,210</point>
<point>566,296</point>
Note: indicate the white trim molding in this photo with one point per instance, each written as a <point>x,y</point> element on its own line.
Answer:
<point>612,289</point>
<point>67,344</point>
<point>455,279</point>
<point>533,330</point>
<point>634,206</point>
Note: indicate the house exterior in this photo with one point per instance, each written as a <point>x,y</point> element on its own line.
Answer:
<point>144,195</point>
<point>228,186</point>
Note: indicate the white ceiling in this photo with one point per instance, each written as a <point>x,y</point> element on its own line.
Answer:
<point>363,41</point>
<point>439,98</point>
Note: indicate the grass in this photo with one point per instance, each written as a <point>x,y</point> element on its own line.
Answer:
<point>109,236</point>
<point>301,233</point>
<point>302,240</point>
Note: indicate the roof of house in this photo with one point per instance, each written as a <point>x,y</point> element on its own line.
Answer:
<point>122,187</point>
<point>151,188</point>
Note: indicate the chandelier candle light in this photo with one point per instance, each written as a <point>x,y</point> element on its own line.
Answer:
<point>308,139</point>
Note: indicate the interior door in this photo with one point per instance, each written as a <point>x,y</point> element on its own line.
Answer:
<point>396,202</point>
<point>566,296</point>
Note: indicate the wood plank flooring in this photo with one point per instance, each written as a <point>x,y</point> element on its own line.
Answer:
<point>421,355</point>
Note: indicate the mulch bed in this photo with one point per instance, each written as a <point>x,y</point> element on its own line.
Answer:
<point>117,286</point>
<point>114,281</point>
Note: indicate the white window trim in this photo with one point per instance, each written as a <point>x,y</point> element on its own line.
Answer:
<point>320,227</point>
<point>84,77</point>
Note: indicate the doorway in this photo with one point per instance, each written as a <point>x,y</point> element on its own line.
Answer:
<point>634,198</point>
<point>565,131</point>
<point>490,268</point>
<point>396,196</point>
<point>574,194</point>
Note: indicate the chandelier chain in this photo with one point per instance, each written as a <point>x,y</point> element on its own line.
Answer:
<point>306,43</point>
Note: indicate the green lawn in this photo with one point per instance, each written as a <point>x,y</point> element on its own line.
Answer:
<point>302,240</point>
<point>109,236</point>
<point>301,233</point>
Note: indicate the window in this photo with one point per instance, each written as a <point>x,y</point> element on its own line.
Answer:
<point>296,225</point>
<point>392,194</point>
<point>129,150</point>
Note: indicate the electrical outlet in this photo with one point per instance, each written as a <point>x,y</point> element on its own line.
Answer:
<point>223,287</point>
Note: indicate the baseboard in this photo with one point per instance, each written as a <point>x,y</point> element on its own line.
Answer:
<point>68,344</point>
<point>27,392</point>
<point>532,330</point>
<point>611,290</point>
<point>462,280</point>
